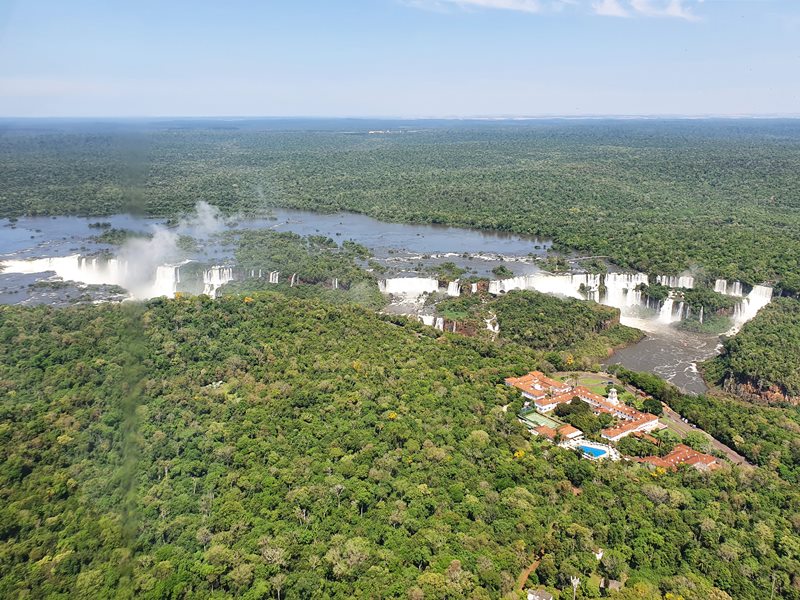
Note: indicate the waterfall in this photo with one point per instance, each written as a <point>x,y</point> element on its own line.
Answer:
<point>214,278</point>
<point>665,314</point>
<point>88,270</point>
<point>293,280</point>
<point>701,314</point>
<point>98,271</point>
<point>335,283</point>
<point>613,289</point>
<point>474,288</point>
<point>166,282</point>
<point>439,323</point>
<point>408,286</point>
<point>273,277</point>
<point>428,320</point>
<point>562,285</point>
<point>733,288</point>
<point>757,299</point>
<point>453,288</point>
<point>676,281</point>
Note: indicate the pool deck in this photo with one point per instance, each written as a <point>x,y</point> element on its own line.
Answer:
<point>610,453</point>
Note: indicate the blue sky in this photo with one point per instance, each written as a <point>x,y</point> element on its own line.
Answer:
<point>398,57</point>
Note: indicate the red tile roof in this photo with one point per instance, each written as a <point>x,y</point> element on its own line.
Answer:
<point>537,384</point>
<point>559,399</point>
<point>629,426</point>
<point>566,430</point>
<point>683,455</point>
<point>546,431</point>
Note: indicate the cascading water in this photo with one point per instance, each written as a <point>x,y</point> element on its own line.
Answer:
<point>732,288</point>
<point>99,271</point>
<point>757,299</point>
<point>620,291</point>
<point>453,288</point>
<point>88,270</point>
<point>409,286</point>
<point>613,289</point>
<point>274,276</point>
<point>214,278</point>
<point>676,281</point>
<point>166,282</point>
<point>665,314</point>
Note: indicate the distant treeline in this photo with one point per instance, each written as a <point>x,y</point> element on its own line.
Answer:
<point>719,197</point>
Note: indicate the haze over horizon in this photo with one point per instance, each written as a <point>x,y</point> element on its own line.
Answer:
<point>400,59</point>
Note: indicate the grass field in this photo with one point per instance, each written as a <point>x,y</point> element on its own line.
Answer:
<point>594,382</point>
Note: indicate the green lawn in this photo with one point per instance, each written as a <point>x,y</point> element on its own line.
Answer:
<point>594,382</point>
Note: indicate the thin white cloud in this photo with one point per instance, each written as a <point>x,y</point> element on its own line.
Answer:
<point>672,8</point>
<point>528,6</point>
<point>610,8</point>
<point>676,9</point>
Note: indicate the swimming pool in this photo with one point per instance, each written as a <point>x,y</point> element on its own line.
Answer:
<point>593,452</point>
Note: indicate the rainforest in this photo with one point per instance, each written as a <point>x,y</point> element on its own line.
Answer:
<point>274,358</point>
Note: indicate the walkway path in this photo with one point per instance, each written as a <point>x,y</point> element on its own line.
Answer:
<point>675,423</point>
<point>523,577</point>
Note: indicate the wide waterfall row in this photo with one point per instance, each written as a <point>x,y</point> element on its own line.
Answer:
<point>144,280</point>
<point>410,287</point>
<point>729,288</point>
<point>620,291</point>
<point>88,270</point>
<point>676,281</point>
<point>614,289</point>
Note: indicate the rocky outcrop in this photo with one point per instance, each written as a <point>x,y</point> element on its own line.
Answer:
<point>747,390</point>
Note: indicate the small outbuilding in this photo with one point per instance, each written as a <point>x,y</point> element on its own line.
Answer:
<point>610,585</point>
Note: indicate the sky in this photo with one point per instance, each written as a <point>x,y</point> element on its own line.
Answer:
<point>404,58</point>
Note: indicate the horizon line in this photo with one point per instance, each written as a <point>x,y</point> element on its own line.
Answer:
<point>476,117</point>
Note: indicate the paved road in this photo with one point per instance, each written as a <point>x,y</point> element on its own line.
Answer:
<point>674,422</point>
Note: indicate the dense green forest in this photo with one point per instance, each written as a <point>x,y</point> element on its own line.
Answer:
<point>270,446</point>
<point>763,360</point>
<point>575,332</point>
<point>719,197</point>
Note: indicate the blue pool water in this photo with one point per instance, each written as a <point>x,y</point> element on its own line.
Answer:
<point>593,452</point>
